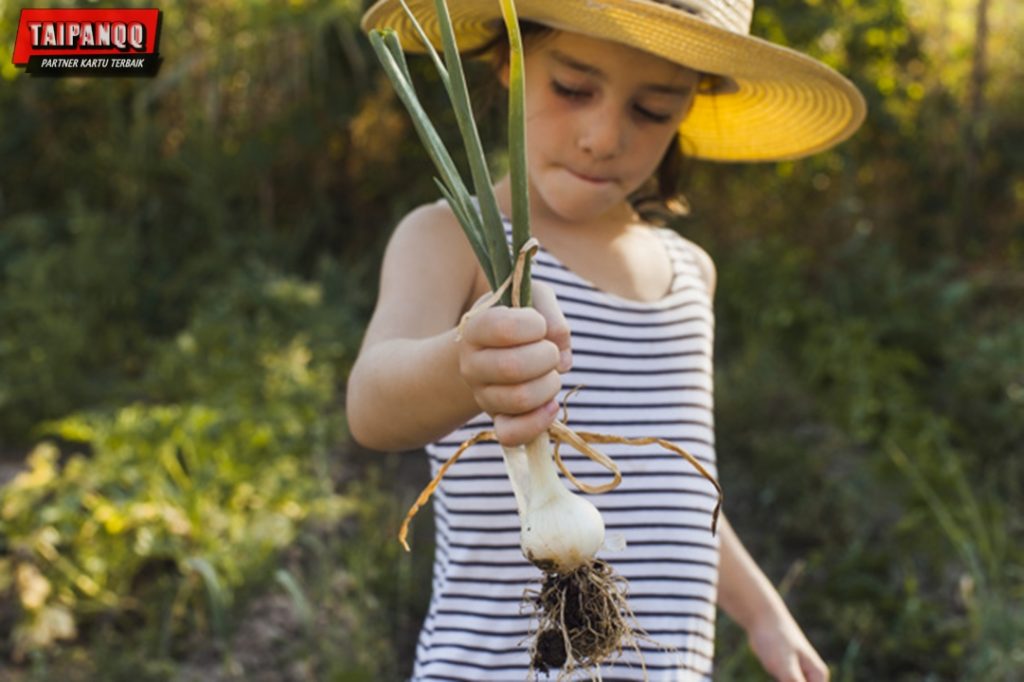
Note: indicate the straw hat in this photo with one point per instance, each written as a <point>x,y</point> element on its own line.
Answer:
<point>777,103</point>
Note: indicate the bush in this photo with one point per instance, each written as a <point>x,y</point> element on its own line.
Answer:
<point>851,394</point>
<point>184,501</point>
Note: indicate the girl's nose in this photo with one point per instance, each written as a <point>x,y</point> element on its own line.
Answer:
<point>602,135</point>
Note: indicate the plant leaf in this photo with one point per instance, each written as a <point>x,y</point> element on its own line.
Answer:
<point>494,229</point>
<point>438,64</point>
<point>517,143</point>
<point>428,135</point>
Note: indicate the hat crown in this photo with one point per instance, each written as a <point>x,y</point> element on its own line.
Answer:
<point>731,15</point>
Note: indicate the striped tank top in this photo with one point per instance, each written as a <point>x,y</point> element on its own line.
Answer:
<point>646,370</point>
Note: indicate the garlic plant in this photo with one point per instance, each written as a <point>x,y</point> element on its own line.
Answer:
<point>560,529</point>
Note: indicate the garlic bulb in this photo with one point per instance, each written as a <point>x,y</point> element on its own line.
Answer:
<point>560,530</point>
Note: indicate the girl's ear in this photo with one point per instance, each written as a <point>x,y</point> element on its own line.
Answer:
<point>503,74</point>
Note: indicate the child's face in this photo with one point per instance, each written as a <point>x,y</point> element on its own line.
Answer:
<point>599,117</point>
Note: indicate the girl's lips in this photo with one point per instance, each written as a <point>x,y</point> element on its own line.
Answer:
<point>590,178</point>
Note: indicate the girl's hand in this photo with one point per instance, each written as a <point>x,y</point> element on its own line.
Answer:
<point>784,651</point>
<point>511,359</point>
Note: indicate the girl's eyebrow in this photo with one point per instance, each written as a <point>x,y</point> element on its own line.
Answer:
<point>591,70</point>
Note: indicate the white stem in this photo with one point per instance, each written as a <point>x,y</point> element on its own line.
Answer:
<point>560,530</point>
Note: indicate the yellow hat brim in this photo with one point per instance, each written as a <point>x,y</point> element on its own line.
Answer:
<point>784,104</point>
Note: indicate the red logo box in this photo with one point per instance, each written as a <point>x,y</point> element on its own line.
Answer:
<point>108,42</point>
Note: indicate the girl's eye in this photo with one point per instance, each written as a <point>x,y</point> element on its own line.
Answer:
<point>653,117</point>
<point>567,92</point>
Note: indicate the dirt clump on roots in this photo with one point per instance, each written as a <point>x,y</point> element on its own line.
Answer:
<point>583,619</point>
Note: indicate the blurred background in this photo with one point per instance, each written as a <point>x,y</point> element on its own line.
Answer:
<point>187,264</point>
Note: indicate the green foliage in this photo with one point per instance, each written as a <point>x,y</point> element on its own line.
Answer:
<point>70,295</point>
<point>181,501</point>
<point>261,340</point>
<point>837,403</point>
<point>212,492</point>
<point>144,192</point>
<point>388,588</point>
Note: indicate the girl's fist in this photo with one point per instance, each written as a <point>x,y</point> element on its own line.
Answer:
<point>511,358</point>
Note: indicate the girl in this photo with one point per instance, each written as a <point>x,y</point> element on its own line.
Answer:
<point>615,89</point>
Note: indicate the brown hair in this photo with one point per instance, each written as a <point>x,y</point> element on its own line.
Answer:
<point>660,199</point>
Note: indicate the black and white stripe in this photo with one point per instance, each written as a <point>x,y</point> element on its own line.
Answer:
<point>646,371</point>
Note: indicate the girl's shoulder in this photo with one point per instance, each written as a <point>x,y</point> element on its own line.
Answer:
<point>432,230</point>
<point>701,257</point>
<point>437,213</point>
<point>429,252</point>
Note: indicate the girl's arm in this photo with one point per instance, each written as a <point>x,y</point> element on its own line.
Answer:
<point>404,388</point>
<point>413,382</point>
<point>746,594</point>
